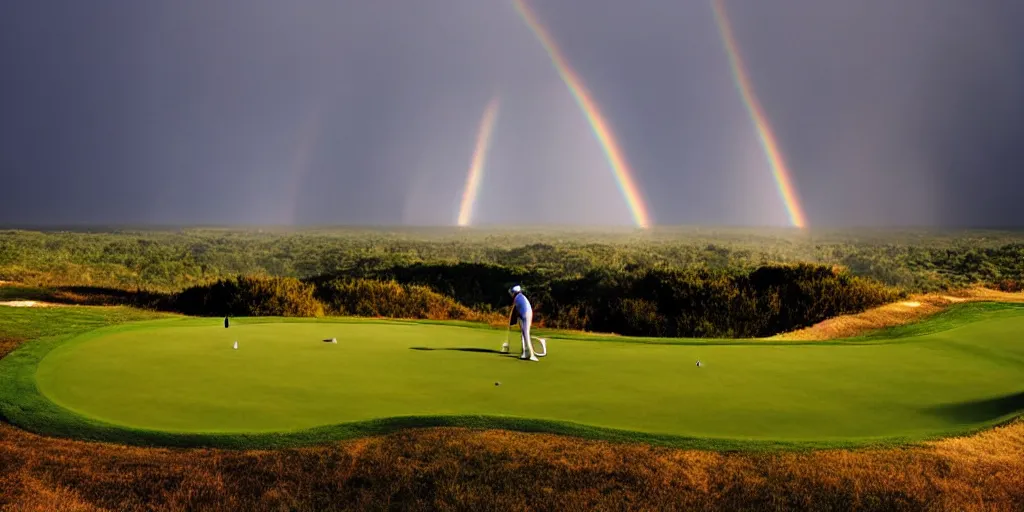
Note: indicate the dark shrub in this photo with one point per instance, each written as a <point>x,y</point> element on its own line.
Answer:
<point>709,303</point>
<point>365,297</point>
<point>250,296</point>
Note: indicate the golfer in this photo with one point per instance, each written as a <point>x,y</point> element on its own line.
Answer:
<point>522,312</point>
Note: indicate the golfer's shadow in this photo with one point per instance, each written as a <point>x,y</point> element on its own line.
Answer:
<point>460,349</point>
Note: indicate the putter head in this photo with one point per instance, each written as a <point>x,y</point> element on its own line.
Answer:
<point>543,347</point>
<point>504,348</point>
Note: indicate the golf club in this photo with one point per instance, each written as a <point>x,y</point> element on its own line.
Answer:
<point>505,347</point>
<point>543,346</point>
<point>508,330</point>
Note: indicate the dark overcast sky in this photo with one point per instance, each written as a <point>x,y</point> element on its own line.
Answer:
<point>356,112</point>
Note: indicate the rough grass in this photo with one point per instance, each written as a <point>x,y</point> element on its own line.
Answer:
<point>458,469</point>
<point>914,309</point>
<point>9,343</point>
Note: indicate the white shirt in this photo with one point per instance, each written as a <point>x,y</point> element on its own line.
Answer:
<point>522,305</point>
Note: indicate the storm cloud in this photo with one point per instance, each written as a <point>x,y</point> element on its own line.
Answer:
<point>326,112</point>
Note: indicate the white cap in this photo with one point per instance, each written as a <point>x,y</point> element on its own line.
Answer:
<point>515,289</point>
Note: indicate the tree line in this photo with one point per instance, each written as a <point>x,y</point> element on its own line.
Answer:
<point>688,283</point>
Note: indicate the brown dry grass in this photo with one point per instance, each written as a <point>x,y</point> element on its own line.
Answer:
<point>7,344</point>
<point>457,469</point>
<point>913,309</point>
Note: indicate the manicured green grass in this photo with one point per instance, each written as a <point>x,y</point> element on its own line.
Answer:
<point>177,381</point>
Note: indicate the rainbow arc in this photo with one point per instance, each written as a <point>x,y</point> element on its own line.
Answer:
<point>780,171</point>
<point>476,167</point>
<point>613,152</point>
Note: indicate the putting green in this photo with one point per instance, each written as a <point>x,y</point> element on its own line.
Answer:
<point>183,376</point>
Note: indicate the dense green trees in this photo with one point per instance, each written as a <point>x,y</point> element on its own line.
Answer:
<point>172,260</point>
<point>666,282</point>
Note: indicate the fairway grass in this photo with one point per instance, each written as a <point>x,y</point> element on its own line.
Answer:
<point>177,381</point>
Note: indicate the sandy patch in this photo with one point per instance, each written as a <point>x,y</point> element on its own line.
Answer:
<point>899,313</point>
<point>25,304</point>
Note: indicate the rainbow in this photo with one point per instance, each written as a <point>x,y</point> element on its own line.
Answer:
<point>602,130</point>
<point>476,167</point>
<point>780,171</point>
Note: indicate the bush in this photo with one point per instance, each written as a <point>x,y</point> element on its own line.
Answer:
<point>389,299</point>
<point>1010,285</point>
<point>710,303</point>
<point>250,296</point>
<point>476,285</point>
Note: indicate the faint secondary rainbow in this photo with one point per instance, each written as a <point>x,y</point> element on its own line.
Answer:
<point>476,168</point>
<point>783,178</point>
<point>602,130</point>
<point>309,136</point>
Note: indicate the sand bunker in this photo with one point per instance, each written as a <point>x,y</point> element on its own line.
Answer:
<point>25,304</point>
